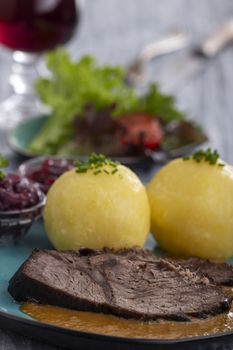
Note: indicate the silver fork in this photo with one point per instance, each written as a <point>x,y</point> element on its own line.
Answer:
<point>174,40</point>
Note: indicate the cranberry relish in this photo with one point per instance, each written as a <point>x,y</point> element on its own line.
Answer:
<point>47,172</point>
<point>18,193</point>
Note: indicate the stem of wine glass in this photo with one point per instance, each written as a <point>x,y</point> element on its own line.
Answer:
<point>23,103</point>
<point>23,73</point>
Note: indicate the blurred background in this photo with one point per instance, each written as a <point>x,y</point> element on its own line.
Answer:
<point>114,32</point>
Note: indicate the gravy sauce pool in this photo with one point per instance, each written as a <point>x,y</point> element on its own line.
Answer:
<point>114,326</point>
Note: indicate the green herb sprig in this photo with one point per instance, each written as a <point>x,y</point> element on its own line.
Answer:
<point>96,163</point>
<point>3,164</point>
<point>209,156</point>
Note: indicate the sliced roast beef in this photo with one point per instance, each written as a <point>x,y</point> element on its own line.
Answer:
<point>131,284</point>
<point>218,273</point>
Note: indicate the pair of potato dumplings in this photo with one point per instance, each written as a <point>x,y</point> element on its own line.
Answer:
<point>188,207</point>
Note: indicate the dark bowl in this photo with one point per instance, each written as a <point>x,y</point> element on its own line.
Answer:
<point>14,224</point>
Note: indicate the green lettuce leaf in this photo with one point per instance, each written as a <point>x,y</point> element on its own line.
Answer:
<point>74,85</point>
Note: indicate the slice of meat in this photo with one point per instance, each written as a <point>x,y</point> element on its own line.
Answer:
<point>218,273</point>
<point>131,284</point>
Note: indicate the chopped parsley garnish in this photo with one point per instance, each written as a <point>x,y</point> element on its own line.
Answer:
<point>96,163</point>
<point>3,164</point>
<point>209,156</point>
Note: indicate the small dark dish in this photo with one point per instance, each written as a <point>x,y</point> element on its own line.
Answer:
<point>21,202</point>
<point>15,224</point>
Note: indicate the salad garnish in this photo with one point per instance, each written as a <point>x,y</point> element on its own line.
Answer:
<point>75,86</point>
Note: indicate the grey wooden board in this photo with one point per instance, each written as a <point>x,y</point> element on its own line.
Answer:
<point>114,31</point>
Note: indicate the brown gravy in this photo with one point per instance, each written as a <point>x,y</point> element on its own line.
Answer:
<point>114,326</point>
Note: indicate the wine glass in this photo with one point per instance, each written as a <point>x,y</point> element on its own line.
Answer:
<point>29,28</point>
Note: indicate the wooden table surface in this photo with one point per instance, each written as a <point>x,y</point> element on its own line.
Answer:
<point>114,31</point>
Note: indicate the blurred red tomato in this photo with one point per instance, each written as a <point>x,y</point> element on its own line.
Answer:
<point>140,129</point>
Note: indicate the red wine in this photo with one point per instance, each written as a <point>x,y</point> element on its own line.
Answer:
<point>37,25</point>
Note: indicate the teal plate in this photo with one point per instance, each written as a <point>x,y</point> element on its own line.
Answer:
<point>11,318</point>
<point>21,137</point>
<point>11,257</point>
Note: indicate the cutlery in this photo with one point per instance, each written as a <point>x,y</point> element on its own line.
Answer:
<point>174,40</point>
<point>181,72</point>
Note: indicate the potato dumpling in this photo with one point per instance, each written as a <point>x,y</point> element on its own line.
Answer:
<point>97,210</point>
<point>192,209</point>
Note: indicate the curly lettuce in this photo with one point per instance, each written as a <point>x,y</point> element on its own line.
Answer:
<point>74,85</point>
